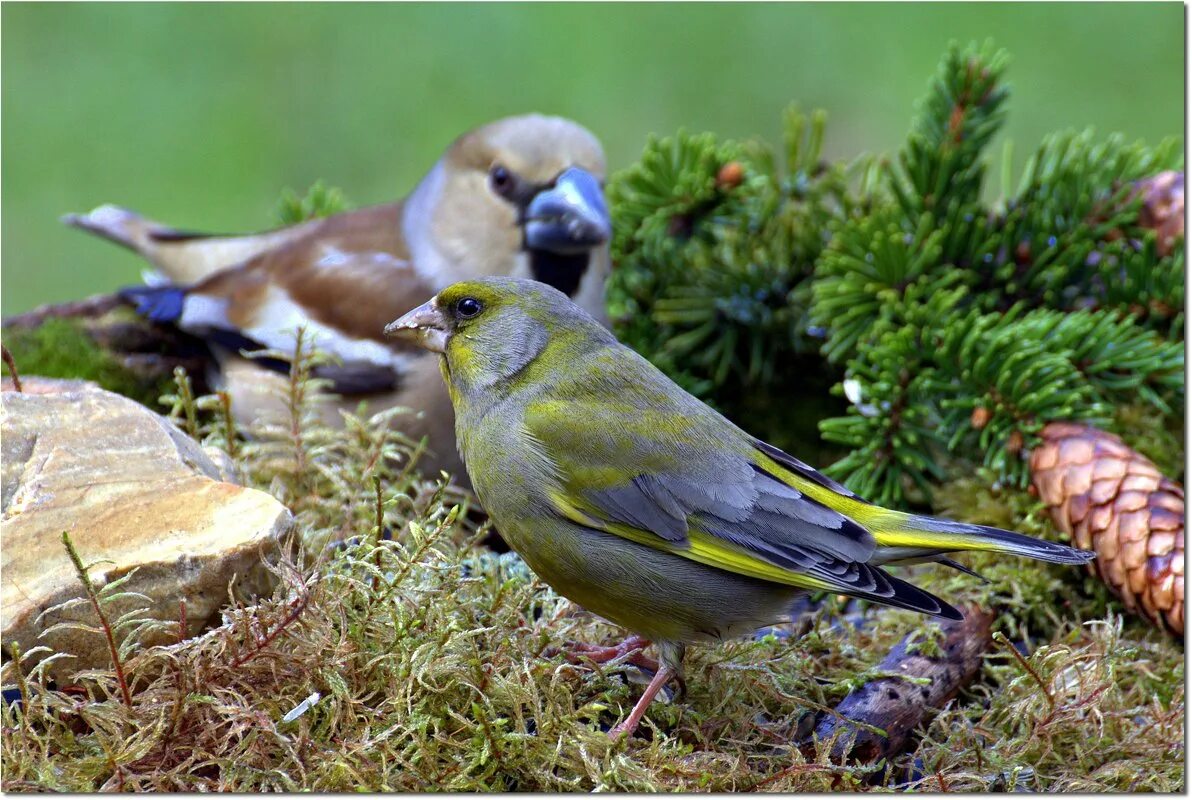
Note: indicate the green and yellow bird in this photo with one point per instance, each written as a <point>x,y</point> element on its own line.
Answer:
<point>636,500</point>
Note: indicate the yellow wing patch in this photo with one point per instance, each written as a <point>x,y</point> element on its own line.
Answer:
<point>700,547</point>
<point>864,514</point>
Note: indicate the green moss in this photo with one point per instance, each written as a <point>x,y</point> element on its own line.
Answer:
<point>440,666</point>
<point>927,641</point>
<point>60,348</point>
<point>1099,707</point>
<point>1159,437</point>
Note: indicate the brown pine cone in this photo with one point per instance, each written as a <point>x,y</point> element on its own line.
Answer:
<point>1113,500</point>
<point>1163,208</point>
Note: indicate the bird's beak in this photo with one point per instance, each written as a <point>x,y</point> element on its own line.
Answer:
<point>569,217</point>
<point>425,326</point>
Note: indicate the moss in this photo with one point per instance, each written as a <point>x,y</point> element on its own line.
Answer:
<point>60,348</point>
<point>1098,708</point>
<point>1159,437</point>
<point>439,666</point>
<point>927,641</point>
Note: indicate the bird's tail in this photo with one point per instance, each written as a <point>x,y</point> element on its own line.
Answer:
<point>902,537</point>
<point>180,257</point>
<point>126,228</point>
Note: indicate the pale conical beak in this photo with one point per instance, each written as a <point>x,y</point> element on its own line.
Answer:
<point>570,217</point>
<point>425,326</point>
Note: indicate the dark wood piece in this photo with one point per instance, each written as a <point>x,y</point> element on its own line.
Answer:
<point>899,706</point>
<point>87,308</point>
<point>148,351</point>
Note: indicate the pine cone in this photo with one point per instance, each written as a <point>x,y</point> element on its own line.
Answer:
<point>1113,500</point>
<point>1163,208</point>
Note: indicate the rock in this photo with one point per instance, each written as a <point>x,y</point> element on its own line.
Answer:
<point>36,384</point>
<point>225,467</point>
<point>134,493</point>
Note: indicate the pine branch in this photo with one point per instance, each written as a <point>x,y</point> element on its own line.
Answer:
<point>941,164</point>
<point>868,275</point>
<point>714,250</point>
<point>963,326</point>
<point>981,386</point>
<point>890,432</point>
<point>320,200</point>
<point>1074,224</point>
<point>97,603</point>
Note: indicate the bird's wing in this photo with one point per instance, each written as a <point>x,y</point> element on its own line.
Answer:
<point>342,285</point>
<point>673,474</point>
<point>352,273</point>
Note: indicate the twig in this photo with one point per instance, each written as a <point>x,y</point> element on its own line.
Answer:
<point>939,776</point>
<point>94,306</point>
<point>380,515</point>
<point>262,642</point>
<point>23,688</point>
<point>426,544</point>
<point>1002,640</point>
<point>93,596</point>
<point>296,401</point>
<point>897,705</point>
<point>186,399</point>
<point>225,405</point>
<point>183,628</point>
<point>22,682</point>
<point>793,769</point>
<point>11,363</point>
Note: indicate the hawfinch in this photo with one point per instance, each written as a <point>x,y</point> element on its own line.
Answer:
<point>521,196</point>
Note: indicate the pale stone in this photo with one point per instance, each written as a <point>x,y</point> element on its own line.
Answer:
<point>133,490</point>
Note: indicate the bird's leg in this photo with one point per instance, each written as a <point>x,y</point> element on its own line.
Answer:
<point>670,659</point>
<point>631,647</point>
<point>629,724</point>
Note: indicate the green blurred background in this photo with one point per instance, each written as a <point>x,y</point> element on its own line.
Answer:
<point>200,114</point>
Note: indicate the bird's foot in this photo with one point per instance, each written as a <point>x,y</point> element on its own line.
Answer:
<point>630,723</point>
<point>631,649</point>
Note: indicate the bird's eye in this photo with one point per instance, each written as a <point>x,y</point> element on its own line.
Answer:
<point>468,307</point>
<point>502,180</point>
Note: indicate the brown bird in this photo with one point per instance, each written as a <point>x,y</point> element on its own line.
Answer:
<point>521,197</point>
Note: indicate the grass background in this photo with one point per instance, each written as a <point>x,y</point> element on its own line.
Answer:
<point>199,115</point>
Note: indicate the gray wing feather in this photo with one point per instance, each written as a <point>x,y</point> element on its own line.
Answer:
<point>772,520</point>
<point>641,504</point>
<point>742,505</point>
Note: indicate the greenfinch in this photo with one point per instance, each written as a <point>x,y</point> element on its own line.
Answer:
<point>519,196</point>
<point>642,504</point>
